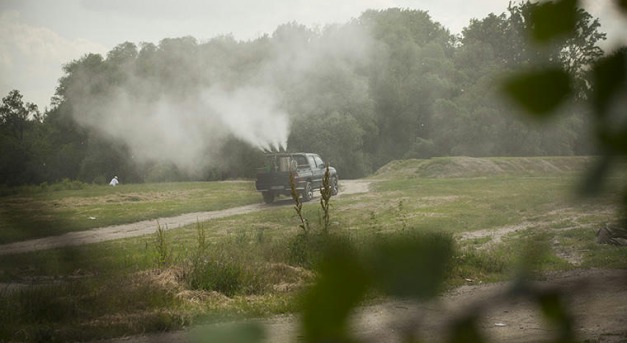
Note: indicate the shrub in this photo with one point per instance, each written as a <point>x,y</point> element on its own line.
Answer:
<point>307,249</point>
<point>100,180</point>
<point>163,252</point>
<point>67,184</point>
<point>224,276</point>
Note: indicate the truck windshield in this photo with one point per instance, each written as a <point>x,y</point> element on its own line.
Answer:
<point>282,163</point>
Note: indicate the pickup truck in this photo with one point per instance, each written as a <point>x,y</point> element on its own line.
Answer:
<point>308,170</point>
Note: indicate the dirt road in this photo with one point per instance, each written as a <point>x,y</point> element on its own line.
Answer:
<point>147,227</point>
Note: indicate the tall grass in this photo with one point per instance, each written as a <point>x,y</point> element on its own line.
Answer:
<point>83,310</point>
<point>163,252</point>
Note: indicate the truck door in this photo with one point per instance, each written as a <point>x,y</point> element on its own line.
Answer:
<point>318,171</point>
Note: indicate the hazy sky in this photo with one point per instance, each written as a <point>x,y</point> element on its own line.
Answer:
<point>38,36</point>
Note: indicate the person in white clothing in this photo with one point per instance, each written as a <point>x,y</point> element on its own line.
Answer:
<point>114,181</point>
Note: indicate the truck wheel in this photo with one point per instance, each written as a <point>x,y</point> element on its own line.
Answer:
<point>308,192</point>
<point>268,197</point>
<point>335,188</point>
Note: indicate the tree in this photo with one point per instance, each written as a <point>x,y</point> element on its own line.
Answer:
<point>15,114</point>
<point>411,69</point>
<point>498,45</point>
<point>338,138</point>
<point>17,118</point>
<point>577,49</point>
<point>404,84</point>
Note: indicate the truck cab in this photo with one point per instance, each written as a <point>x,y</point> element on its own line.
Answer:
<point>308,170</point>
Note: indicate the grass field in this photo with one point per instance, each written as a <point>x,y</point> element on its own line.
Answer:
<point>40,212</point>
<point>497,211</point>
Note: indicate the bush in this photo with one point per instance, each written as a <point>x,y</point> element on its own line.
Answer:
<point>306,249</point>
<point>67,184</point>
<point>214,275</point>
<point>100,180</point>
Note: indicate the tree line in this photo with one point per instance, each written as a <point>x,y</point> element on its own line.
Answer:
<point>411,90</point>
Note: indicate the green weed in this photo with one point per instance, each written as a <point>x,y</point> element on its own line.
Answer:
<point>471,265</point>
<point>306,250</point>
<point>224,276</point>
<point>325,196</point>
<point>298,205</point>
<point>163,252</point>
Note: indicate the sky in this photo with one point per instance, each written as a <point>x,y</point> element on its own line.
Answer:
<point>37,37</point>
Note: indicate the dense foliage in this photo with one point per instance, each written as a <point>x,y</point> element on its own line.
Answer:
<point>388,85</point>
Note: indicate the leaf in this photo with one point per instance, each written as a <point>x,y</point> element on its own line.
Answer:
<point>622,5</point>
<point>553,308</point>
<point>539,92</point>
<point>339,289</point>
<point>550,304</point>
<point>553,19</point>
<point>593,178</point>
<point>609,75</point>
<point>618,141</point>
<point>412,266</point>
<point>466,331</point>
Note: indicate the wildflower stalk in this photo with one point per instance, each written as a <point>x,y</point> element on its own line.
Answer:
<point>325,196</point>
<point>298,207</point>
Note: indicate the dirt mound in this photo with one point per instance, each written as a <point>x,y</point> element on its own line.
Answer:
<point>453,167</point>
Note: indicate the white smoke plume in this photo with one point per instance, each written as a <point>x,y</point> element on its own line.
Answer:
<point>187,125</point>
<point>181,131</point>
<point>252,115</point>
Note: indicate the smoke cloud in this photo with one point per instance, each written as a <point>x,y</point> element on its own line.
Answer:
<point>187,118</point>
<point>252,115</point>
<point>187,132</point>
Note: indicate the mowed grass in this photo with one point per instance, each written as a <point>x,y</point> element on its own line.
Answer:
<point>256,264</point>
<point>34,214</point>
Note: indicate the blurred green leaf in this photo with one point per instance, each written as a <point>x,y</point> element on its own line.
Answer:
<point>613,137</point>
<point>609,75</point>
<point>552,306</point>
<point>620,140</point>
<point>466,331</point>
<point>622,5</point>
<point>230,333</point>
<point>553,19</point>
<point>341,286</point>
<point>539,92</point>
<point>412,266</point>
<point>592,181</point>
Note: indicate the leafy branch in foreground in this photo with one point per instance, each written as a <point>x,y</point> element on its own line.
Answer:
<point>542,90</point>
